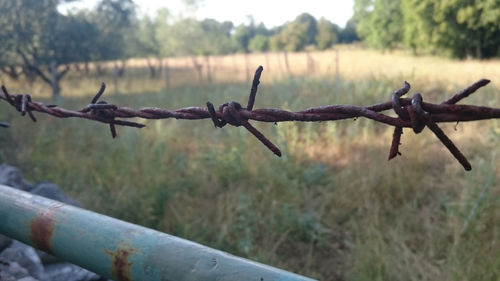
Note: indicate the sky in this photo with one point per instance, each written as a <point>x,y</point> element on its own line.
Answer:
<point>271,12</point>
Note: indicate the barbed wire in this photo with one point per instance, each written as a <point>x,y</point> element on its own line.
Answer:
<point>411,113</point>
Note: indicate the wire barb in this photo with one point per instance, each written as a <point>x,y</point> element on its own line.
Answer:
<point>467,91</point>
<point>411,113</point>
<point>396,141</point>
<point>255,85</point>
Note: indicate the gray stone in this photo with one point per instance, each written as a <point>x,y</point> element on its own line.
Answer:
<point>12,269</point>
<point>26,257</point>
<point>52,191</point>
<point>12,176</point>
<point>4,242</point>
<point>4,276</point>
<point>69,272</point>
<point>29,278</point>
<point>47,258</point>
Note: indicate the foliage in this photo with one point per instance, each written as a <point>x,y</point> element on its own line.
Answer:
<point>242,36</point>
<point>380,22</point>
<point>146,41</point>
<point>348,34</point>
<point>113,19</point>
<point>295,36</point>
<point>215,37</point>
<point>37,39</point>
<point>327,34</point>
<point>459,28</point>
<point>308,23</point>
<point>259,43</point>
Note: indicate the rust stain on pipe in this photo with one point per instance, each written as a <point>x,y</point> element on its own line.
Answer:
<point>120,264</point>
<point>42,228</point>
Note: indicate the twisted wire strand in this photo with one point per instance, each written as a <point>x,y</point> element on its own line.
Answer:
<point>410,113</point>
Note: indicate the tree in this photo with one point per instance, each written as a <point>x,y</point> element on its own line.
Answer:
<point>348,34</point>
<point>259,43</point>
<point>193,38</point>
<point>307,23</point>
<point>39,40</point>
<point>362,13</point>
<point>114,21</point>
<point>327,35</point>
<point>296,35</point>
<point>215,40</point>
<point>145,43</point>
<point>242,36</point>
<point>380,22</point>
<point>261,29</point>
<point>216,37</point>
<point>459,28</point>
<point>276,43</point>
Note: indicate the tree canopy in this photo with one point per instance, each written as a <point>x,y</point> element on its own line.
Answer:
<point>31,36</point>
<point>40,42</point>
<point>458,28</point>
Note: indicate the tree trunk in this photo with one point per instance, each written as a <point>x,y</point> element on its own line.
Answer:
<point>160,65</point>
<point>152,69</point>
<point>121,69</point>
<point>337,68</point>
<point>247,68</point>
<point>209,73</point>
<point>479,52</point>
<point>100,69</point>
<point>29,74</point>
<point>287,64</point>
<point>11,71</point>
<point>116,75</point>
<point>54,80</point>
<point>310,63</point>
<point>87,68</point>
<point>236,66</point>
<point>280,66</point>
<point>268,64</point>
<point>167,75</point>
<point>197,67</point>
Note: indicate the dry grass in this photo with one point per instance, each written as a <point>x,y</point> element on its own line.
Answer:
<point>331,208</point>
<point>353,63</point>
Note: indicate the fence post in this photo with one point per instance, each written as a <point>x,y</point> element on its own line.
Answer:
<point>287,64</point>
<point>337,63</point>
<point>54,80</point>
<point>167,75</point>
<point>115,77</point>
<point>120,250</point>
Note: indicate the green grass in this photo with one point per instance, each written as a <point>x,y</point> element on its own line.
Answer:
<point>331,208</point>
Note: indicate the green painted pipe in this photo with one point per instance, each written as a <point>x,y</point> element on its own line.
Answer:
<point>120,250</point>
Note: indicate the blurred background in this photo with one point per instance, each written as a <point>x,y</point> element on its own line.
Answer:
<point>331,208</point>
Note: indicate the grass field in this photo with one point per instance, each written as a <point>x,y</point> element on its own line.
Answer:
<point>331,208</point>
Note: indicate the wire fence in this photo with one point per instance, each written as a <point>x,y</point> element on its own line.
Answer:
<point>411,113</point>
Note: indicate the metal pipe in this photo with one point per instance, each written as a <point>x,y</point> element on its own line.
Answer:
<point>120,250</point>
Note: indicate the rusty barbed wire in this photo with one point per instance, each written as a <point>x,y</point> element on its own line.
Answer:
<point>411,113</point>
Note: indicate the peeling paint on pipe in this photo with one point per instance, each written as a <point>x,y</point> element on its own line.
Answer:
<point>120,250</point>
